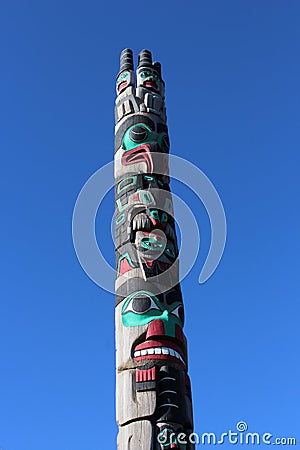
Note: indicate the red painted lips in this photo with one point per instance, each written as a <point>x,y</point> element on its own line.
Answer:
<point>151,84</point>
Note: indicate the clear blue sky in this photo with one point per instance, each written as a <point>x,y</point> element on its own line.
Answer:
<point>232,75</point>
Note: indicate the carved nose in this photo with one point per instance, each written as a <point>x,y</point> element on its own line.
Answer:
<point>155,328</point>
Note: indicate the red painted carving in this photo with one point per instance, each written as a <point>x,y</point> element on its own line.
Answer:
<point>155,328</point>
<point>138,155</point>
<point>124,266</point>
<point>145,375</point>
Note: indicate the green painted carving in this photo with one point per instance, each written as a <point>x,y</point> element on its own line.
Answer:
<point>126,183</point>
<point>170,250</point>
<point>120,219</point>
<point>161,217</point>
<point>151,243</point>
<point>120,206</point>
<point>141,307</point>
<point>146,133</point>
<point>125,256</point>
<point>123,77</point>
<point>146,197</point>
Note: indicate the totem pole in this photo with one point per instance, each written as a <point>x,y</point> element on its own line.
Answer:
<point>154,407</point>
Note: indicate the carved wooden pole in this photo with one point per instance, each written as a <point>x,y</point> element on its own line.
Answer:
<point>154,403</point>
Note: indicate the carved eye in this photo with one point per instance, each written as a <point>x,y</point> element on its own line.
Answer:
<point>179,312</point>
<point>151,244</point>
<point>122,76</point>
<point>154,214</point>
<point>138,134</point>
<point>145,73</point>
<point>141,304</point>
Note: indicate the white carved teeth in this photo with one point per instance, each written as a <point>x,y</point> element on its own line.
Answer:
<point>141,222</point>
<point>178,356</point>
<point>158,351</point>
<point>136,223</point>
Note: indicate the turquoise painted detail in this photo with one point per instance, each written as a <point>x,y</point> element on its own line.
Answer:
<point>160,138</point>
<point>151,243</point>
<point>148,74</point>
<point>169,315</point>
<point>128,144</point>
<point>120,206</point>
<point>123,185</point>
<point>161,217</point>
<point>169,250</point>
<point>123,76</point>
<point>146,197</point>
<point>120,218</point>
<point>164,217</point>
<point>125,256</point>
<point>155,214</point>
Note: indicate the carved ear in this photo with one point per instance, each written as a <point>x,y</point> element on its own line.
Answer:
<point>157,67</point>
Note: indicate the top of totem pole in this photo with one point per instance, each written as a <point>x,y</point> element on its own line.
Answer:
<point>141,92</point>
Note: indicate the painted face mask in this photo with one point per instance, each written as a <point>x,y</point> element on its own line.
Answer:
<point>148,78</point>
<point>154,248</point>
<point>123,81</point>
<point>164,322</point>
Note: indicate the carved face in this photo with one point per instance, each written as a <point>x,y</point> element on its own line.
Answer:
<point>165,318</point>
<point>154,248</point>
<point>148,77</point>
<point>123,81</point>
